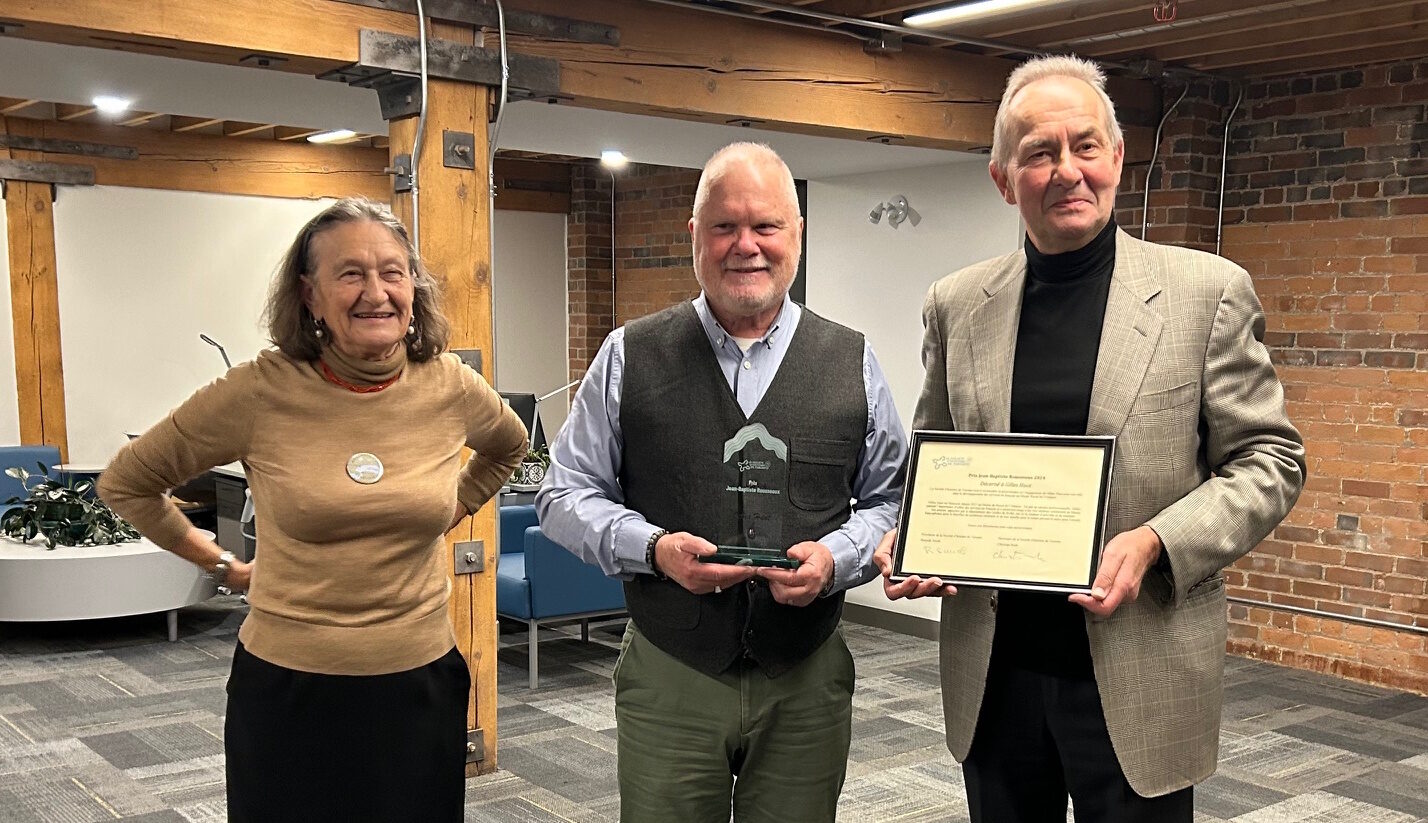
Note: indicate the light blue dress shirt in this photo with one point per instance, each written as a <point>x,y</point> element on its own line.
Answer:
<point>581,504</point>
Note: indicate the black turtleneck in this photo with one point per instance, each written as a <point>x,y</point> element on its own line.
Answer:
<point>1062,308</point>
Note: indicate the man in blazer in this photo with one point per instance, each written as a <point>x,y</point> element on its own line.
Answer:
<point>1112,697</point>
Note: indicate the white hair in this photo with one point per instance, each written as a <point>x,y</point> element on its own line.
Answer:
<point>757,154</point>
<point>1040,68</point>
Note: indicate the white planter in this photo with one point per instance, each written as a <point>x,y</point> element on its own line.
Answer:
<point>84,583</point>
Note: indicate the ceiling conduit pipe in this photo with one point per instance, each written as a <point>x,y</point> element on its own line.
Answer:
<point>1154,153</point>
<point>1224,162</point>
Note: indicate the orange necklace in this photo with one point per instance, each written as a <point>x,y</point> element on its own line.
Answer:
<point>332,378</point>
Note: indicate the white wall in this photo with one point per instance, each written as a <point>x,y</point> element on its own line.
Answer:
<point>141,273</point>
<point>528,260</point>
<point>874,277</point>
<point>9,403</point>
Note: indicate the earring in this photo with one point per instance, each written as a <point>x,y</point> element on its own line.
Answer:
<point>411,329</point>
<point>318,328</point>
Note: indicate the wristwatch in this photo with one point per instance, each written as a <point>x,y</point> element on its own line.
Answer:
<point>219,572</point>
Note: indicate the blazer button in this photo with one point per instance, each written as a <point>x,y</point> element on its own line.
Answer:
<point>993,601</point>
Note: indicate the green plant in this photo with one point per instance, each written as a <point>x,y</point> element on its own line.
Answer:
<point>65,512</point>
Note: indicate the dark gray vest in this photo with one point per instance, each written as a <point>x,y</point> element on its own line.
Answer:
<point>677,414</point>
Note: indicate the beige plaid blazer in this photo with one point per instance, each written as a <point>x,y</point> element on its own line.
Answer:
<point>1204,454</point>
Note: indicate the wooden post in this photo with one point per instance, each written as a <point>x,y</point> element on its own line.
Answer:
<point>456,246</point>
<point>34,305</point>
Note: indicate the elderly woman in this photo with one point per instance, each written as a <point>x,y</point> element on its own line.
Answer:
<point>347,699</point>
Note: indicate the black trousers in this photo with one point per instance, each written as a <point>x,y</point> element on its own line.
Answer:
<point>316,747</point>
<point>1041,737</point>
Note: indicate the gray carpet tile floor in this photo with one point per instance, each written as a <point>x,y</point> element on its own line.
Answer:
<point>106,720</point>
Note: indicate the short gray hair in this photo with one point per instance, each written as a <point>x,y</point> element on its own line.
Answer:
<point>1040,68</point>
<point>291,327</point>
<point>752,153</point>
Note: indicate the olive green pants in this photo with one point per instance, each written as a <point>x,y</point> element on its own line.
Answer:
<point>694,746</point>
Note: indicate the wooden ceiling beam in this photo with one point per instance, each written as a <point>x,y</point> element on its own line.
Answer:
<point>1309,48</point>
<point>871,8</point>
<point>1321,19</point>
<point>313,35</point>
<point>139,118</point>
<point>286,133</point>
<point>1037,28</point>
<point>238,128</point>
<point>720,69</point>
<point>12,105</point>
<point>671,62</point>
<point>179,123</point>
<point>213,163</point>
<point>71,111</point>
<point>1339,60</point>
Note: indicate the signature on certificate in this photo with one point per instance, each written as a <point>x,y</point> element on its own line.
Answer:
<point>1017,554</point>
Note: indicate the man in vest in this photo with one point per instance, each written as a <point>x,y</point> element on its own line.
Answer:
<point>738,419</point>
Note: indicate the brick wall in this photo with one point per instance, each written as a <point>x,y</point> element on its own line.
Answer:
<point>587,241</point>
<point>654,263</point>
<point>1326,206</point>
<point>654,258</point>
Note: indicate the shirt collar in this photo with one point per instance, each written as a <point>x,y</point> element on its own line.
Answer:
<point>787,314</point>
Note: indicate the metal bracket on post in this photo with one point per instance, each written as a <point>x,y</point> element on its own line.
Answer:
<point>475,745</point>
<point>34,171</point>
<point>469,556</point>
<point>399,97</point>
<point>458,149</point>
<point>401,172</point>
<point>385,59</point>
<point>484,15</point>
<point>471,357</point>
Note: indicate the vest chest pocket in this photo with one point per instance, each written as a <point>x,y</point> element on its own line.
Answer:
<point>820,472</point>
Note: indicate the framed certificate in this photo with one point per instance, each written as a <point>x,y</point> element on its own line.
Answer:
<point>1006,511</point>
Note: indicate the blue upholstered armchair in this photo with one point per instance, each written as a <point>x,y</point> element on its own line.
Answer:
<point>25,457</point>
<point>539,582</point>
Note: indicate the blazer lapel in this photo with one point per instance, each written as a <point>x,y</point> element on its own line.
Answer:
<point>994,327</point>
<point>1129,336</point>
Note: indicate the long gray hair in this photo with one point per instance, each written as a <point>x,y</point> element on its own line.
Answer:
<point>291,326</point>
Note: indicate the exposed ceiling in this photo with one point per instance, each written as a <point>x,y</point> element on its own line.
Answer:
<point>1242,38</point>
<point>51,81</point>
<point>170,122</point>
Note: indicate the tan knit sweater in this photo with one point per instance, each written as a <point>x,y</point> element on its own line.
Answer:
<point>348,578</point>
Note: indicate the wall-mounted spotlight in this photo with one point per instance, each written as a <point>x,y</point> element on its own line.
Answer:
<point>897,211</point>
<point>613,159</point>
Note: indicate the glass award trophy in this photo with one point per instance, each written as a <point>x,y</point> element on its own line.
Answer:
<point>751,500</point>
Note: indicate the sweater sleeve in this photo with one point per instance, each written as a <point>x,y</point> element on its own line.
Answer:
<point>497,438</point>
<point>210,428</point>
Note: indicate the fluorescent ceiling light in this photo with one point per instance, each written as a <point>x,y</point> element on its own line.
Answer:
<point>331,136</point>
<point>613,159</point>
<point>109,104</point>
<point>972,11</point>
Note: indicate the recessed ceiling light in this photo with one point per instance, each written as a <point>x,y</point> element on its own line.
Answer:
<point>331,136</point>
<point>972,11</point>
<point>613,159</point>
<point>109,104</point>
